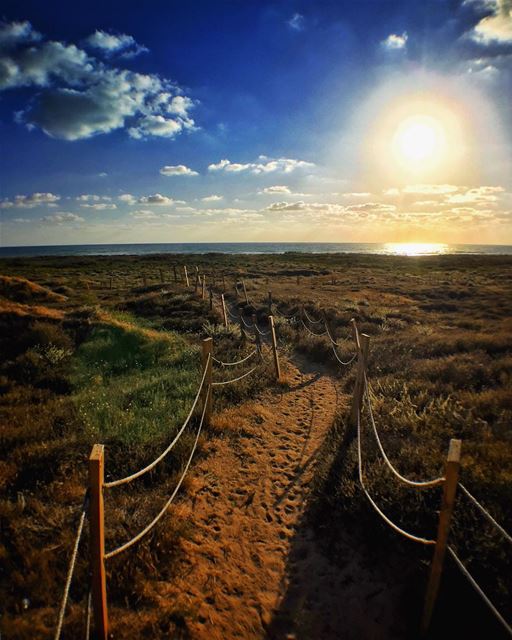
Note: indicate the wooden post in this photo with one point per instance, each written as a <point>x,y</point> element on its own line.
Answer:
<point>203,287</point>
<point>256,334</point>
<point>175,273</point>
<point>245,292</point>
<point>210,289</point>
<point>274,347</point>
<point>186,275</point>
<point>207,350</point>
<point>224,313</point>
<point>270,303</point>
<point>451,475</point>
<point>97,542</point>
<point>362,363</point>
<point>198,280</point>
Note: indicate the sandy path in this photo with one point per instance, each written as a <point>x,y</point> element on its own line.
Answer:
<point>253,570</point>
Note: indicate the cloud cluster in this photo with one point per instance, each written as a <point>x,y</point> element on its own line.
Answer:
<point>265,165</point>
<point>62,218</point>
<point>497,26</point>
<point>110,44</point>
<point>395,42</point>
<point>79,96</point>
<point>178,170</point>
<point>29,202</point>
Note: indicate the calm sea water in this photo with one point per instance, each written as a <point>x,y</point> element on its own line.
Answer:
<point>410,249</point>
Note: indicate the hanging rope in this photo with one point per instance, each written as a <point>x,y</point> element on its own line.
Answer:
<point>248,373</point>
<point>412,483</point>
<point>345,364</point>
<point>237,362</point>
<point>485,513</point>
<point>395,527</point>
<point>153,522</point>
<point>71,567</point>
<point>151,465</point>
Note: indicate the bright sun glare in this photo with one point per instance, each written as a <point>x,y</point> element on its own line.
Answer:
<point>419,139</point>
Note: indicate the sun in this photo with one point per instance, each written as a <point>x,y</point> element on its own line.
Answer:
<point>419,139</point>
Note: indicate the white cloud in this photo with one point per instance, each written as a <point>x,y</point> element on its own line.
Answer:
<point>265,165</point>
<point>212,198</point>
<point>157,199</point>
<point>286,206</point>
<point>99,206</point>
<point>476,195</point>
<point>91,197</point>
<point>110,43</point>
<point>357,194</point>
<point>13,33</point>
<point>29,202</point>
<point>177,170</point>
<point>496,27</point>
<point>61,218</point>
<point>277,188</point>
<point>127,198</point>
<point>79,96</point>
<point>297,22</point>
<point>395,42</point>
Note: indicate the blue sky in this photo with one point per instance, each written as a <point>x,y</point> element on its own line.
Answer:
<point>256,121</point>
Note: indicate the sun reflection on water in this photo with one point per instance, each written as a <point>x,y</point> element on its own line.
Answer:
<point>415,248</point>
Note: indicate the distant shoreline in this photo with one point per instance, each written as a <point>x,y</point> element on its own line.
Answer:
<point>255,248</point>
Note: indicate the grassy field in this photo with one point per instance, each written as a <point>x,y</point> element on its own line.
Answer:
<point>106,349</point>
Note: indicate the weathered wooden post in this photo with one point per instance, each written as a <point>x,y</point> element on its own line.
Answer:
<point>274,347</point>
<point>362,363</point>
<point>451,475</point>
<point>257,334</point>
<point>245,292</point>
<point>203,284</point>
<point>270,303</point>
<point>207,353</point>
<point>224,313</point>
<point>187,282</point>
<point>97,542</point>
<point>175,273</point>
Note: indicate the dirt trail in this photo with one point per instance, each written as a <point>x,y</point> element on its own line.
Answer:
<point>253,569</point>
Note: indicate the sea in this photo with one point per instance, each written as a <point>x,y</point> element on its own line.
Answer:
<point>389,248</point>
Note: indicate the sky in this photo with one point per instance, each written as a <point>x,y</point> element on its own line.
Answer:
<point>255,121</point>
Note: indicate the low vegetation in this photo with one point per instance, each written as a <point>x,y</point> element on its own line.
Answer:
<point>107,349</point>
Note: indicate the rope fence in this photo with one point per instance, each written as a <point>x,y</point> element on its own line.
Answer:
<point>96,601</point>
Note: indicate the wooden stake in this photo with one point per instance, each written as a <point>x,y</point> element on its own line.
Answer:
<point>198,280</point>
<point>207,350</point>
<point>97,542</point>
<point>274,347</point>
<point>451,475</point>
<point>245,292</point>
<point>224,313</point>
<point>186,275</point>
<point>202,288</point>
<point>362,363</point>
